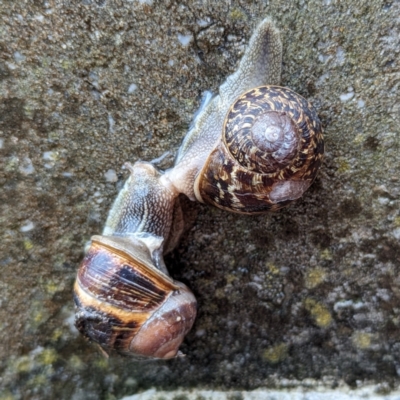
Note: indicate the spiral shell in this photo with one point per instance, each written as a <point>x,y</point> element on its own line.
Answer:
<point>269,153</point>
<point>125,304</point>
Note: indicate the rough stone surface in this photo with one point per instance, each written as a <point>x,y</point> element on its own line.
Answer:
<point>310,294</point>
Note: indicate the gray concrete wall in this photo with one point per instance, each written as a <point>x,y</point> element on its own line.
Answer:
<point>310,294</point>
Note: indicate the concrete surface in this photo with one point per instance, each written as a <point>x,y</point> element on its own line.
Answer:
<point>309,294</point>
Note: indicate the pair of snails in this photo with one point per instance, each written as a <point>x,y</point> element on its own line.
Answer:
<point>253,148</point>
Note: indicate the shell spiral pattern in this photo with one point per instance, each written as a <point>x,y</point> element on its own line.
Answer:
<point>270,153</point>
<point>126,305</point>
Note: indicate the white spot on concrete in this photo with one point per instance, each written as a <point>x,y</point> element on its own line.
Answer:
<point>111,123</point>
<point>322,79</point>
<point>67,174</point>
<point>340,56</point>
<point>70,322</point>
<point>132,87</point>
<point>343,304</point>
<point>323,58</point>
<point>27,168</point>
<point>200,332</point>
<point>171,63</point>
<point>11,66</point>
<point>18,57</point>
<point>1,143</point>
<point>111,176</point>
<point>361,103</point>
<point>50,155</point>
<point>28,226</point>
<point>39,18</point>
<point>383,294</point>
<point>118,39</point>
<point>347,96</point>
<point>184,39</point>
<point>383,200</point>
<point>203,22</point>
<point>396,233</point>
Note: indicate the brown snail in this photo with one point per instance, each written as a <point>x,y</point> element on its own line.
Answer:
<point>124,297</point>
<point>257,146</point>
<point>253,148</point>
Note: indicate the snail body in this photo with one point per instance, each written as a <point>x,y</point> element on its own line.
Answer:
<point>253,148</point>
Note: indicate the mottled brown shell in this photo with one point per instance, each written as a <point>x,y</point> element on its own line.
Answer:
<point>125,304</point>
<point>270,152</point>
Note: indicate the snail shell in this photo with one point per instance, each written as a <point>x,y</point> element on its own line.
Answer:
<point>125,300</point>
<point>125,304</point>
<point>256,146</point>
<point>268,155</point>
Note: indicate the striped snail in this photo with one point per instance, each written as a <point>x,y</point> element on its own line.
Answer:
<point>124,297</point>
<point>253,148</point>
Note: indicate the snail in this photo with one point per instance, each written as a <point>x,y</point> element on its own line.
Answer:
<point>253,148</point>
<point>124,297</point>
<point>256,146</point>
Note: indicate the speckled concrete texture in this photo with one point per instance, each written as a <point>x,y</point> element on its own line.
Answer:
<point>309,294</point>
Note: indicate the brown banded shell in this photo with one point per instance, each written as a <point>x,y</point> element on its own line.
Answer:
<point>125,304</point>
<point>270,152</point>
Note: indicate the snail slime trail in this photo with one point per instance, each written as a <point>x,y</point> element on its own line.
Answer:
<point>253,148</point>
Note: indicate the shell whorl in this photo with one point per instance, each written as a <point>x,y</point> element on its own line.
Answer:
<point>260,131</point>
<point>268,129</point>
<point>124,303</point>
<point>269,154</point>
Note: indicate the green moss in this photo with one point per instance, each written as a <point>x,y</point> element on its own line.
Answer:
<point>12,164</point>
<point>37,381</point>
<point>101,363</point>
<point>314,276</point>
<point>326,255</point>
<point>76,363</point>
<point>22,364</point>
<point>47,357</point>
<point>273,268</point>
<point>276,353</point>
<point>362,340</point>
<point>343,166</point>
<point>319,313</point>
<point>57,333</point>
<point>7,396</point>
<point>28,245</point>
<point>237,14</point>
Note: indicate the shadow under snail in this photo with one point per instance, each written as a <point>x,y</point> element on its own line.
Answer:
<point>253,148</point>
